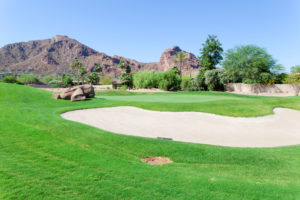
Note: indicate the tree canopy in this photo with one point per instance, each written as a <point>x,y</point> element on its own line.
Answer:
<point>295,69</point>
<point>211,52</point>
<point>247,63</point>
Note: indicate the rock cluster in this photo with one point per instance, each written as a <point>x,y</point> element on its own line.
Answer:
<point>167,59</point>
<point>77,93</point>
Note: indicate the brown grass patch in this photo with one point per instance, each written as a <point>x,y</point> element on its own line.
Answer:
<point>156,160</point>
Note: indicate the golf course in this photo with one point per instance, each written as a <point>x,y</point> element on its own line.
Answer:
<point>44,156</point>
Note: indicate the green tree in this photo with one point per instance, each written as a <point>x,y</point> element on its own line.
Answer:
<point>295,69</point>
<point>278,75</point>
<point>93,78</point>
<point>277,69</point>
<point>67,81</point>
<point>126,76</point>
<point>247,63</point>
<point>75,66</point>
<point>81,73</point>
<point>292,78</point>
<point>97,68</point>
<point>122,64</point>
<point>180,58</point>
<point>211,53</point>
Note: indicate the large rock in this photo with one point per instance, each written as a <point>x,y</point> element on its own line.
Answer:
<point>56,95</point>
<point>88,91</point>
<point>168,59</point>
<point>78,95</point>
<point>67,93</point>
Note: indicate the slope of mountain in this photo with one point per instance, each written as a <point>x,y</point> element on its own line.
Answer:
<point>53,56</point>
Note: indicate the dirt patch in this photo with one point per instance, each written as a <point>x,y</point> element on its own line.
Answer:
<point>156,160</point>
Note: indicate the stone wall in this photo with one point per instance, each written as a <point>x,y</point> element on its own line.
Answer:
<point>266,90</point>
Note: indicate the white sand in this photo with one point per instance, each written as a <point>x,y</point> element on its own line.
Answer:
<point>279,129</point>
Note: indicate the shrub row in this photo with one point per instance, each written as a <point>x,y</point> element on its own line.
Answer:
<point>169,80</point>
<point>172,81</point>
<point>22,79</point>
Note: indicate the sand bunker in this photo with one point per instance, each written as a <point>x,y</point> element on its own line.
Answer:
<point>279,129</point>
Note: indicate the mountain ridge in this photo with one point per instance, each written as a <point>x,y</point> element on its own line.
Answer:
<point>53,56</point>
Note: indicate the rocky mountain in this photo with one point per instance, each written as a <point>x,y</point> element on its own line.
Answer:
<point>53,56</point>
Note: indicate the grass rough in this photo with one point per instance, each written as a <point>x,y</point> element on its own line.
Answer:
<point>43,156</point>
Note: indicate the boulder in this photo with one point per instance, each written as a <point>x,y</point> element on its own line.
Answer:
<point>56,96</point>
<point>88,91</point>
<point>78,95</point>
<point>67,93</point>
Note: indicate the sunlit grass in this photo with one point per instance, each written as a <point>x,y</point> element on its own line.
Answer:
<point>43,156</point>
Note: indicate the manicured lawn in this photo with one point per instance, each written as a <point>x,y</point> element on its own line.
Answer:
<point>210,102</point>
<point>43,156</point>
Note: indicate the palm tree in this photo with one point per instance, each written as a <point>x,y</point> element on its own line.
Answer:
<point>82,72</point>
<point>180,58</point>
<point>75,66</point>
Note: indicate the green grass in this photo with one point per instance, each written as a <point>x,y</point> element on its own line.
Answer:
<point>43,156</point>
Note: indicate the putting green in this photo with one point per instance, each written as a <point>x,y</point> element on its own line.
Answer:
<point>171,98</point>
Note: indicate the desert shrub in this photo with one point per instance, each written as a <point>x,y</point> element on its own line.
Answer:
<point>28,79</point>
<point>170,80</point>
<point>47,79</point>
<point>194,85</point>
<point>200,80</point>
<point>146,79</point>
<point>123,87</point>
<point>189,84</point>
<point>292,78</point>
<point>105,80</point>
<point>66,80</point>
<point>185,83</point>
<point>9,79</point>
<point>127,79</point>
<point>215,79</point>
<point>55,83</point>
<point>279,78</point>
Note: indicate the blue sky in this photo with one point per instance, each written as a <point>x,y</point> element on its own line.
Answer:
<point>142,29</point>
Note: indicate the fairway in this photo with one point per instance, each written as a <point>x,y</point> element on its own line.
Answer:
<point>43,156</point>
<point>172,98</point>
